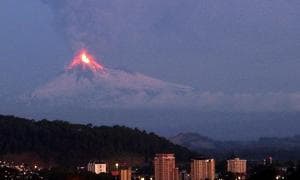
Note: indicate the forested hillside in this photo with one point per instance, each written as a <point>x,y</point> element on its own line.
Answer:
<point>69,144</point>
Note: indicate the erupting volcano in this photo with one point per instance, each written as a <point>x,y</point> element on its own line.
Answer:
<point>85,61</point>
<point>84,84</point>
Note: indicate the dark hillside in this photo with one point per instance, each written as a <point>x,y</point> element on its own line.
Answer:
<point>67,144</point>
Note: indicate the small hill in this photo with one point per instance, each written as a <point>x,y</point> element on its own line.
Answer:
<point>66,144</point>
<point>194,141</point>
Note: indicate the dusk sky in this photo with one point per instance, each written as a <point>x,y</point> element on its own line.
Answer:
<point>242,49</point>
<point>232,46</point>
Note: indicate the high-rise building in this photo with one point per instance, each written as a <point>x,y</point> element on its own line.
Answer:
<point>237,166</point>
<point>96,167</point>
<point>203,169</point>
<point>125,174</point>
<point>164,167</point>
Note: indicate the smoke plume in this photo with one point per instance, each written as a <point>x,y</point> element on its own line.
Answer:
<point>115,24</point>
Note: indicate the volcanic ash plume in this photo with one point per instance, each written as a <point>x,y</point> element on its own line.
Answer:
<point>109,25</point>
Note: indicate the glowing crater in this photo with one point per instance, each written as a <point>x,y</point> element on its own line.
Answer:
<point>85,61</point>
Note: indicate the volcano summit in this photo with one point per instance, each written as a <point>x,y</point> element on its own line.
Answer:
<point>85,61</point>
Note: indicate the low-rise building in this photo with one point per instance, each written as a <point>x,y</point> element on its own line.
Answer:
<point>97,167</point>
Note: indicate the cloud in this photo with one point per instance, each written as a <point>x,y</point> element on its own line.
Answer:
<point>254,102</point>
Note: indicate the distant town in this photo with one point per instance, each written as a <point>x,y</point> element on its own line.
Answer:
<point>164,168</point>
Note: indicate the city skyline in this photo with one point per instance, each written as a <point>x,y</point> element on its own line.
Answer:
<point>61,150</point>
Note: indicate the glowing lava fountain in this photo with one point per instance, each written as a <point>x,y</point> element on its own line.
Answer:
<point>86,61</point>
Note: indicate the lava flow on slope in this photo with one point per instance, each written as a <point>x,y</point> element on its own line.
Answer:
<point>85,61</point>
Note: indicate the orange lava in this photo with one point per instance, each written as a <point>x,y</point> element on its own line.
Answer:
<point>86,61</point>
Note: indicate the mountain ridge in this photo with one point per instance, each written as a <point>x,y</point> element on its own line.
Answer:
<point>287,148</point>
